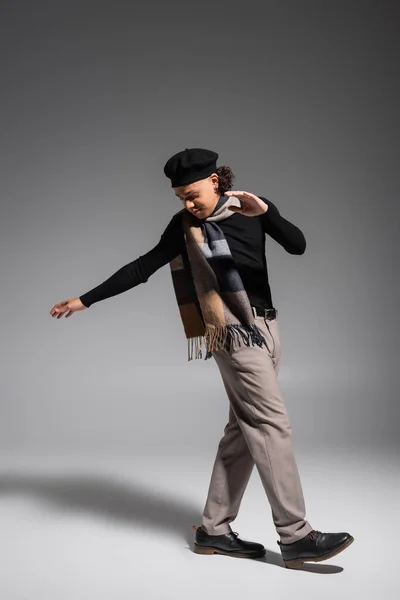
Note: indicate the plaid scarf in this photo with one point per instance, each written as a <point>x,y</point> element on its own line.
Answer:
<point>213,304</point>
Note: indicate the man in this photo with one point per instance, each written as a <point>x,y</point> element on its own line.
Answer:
<point>215,247</point>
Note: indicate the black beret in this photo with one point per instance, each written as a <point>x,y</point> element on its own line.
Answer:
<point>190,165</point>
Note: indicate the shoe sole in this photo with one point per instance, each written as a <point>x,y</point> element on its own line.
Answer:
<point>297,563</point>
<point>211,550</point>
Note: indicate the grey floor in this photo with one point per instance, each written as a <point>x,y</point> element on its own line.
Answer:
<point>122,529</point>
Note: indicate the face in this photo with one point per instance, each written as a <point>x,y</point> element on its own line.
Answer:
<point>199,197</point>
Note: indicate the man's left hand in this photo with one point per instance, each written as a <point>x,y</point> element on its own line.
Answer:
<point>251,205</point>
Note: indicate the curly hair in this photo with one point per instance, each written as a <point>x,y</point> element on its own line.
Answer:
<point>225,178</point>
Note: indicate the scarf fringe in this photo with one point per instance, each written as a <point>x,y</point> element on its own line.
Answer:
<point>216,338</point>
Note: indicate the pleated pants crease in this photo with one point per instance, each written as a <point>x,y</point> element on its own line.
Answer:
<point>258,433</point>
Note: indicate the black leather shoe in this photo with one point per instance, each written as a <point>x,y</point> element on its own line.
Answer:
<point>315,546</point>
<point>227,543</point>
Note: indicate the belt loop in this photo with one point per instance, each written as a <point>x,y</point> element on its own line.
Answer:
<point>270,313</point>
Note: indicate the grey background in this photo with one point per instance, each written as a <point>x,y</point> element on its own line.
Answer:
<point>301,100</point>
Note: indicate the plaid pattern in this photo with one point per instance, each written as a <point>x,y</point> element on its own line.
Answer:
<point>213,304</point>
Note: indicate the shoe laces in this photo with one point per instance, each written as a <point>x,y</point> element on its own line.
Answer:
<point>314,534</point>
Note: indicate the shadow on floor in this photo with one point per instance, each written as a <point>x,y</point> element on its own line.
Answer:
<point>115,500</point>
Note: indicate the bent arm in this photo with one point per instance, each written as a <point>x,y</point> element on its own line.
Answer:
<point>281,230</point>
<point>139,270</point>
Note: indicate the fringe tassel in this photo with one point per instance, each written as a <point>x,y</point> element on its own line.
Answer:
<point>216,338</point>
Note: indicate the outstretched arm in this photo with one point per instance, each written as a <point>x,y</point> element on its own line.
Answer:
<point>139,270</point>
<point>281,230</point>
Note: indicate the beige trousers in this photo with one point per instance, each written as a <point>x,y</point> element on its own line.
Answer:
<point>258,433</point>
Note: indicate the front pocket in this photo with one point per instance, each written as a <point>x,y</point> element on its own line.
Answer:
<point>271,339</point>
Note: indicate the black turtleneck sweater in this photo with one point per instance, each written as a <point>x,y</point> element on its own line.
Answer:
<point>246,240</point>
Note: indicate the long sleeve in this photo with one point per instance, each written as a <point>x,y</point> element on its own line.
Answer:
<point>139,270</point>
<point>281,230</point>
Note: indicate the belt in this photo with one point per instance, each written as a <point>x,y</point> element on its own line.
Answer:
<point>267,313</point>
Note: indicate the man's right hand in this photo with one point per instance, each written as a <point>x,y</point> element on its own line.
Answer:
<point>67,306</point>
